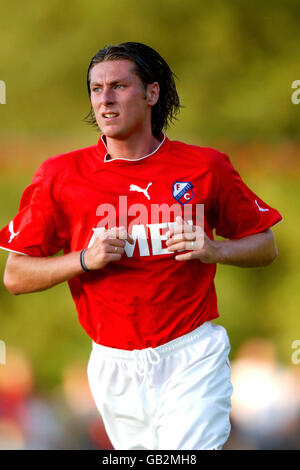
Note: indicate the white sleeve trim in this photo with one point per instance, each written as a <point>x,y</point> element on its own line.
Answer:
<point>13,251</point>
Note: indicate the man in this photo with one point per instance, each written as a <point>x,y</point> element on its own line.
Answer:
<point>142,284</point>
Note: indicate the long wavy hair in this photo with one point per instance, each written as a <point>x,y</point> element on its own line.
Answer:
<point>150,67</point>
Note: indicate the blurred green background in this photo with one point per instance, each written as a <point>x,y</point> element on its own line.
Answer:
<point>235,62</point>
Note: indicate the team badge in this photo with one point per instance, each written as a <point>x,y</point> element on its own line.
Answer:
<point>183,191</point>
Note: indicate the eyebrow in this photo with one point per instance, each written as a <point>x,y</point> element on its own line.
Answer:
<point>113,82</point>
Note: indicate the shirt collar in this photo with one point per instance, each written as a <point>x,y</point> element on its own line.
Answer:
<point>105,157</point>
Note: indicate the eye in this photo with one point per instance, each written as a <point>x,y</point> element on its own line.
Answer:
<point>96,89</point>
<point>119,86</point>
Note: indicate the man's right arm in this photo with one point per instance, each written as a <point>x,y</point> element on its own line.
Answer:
<point>24,274</point>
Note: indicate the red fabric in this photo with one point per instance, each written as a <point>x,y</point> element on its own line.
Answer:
<point>147,298</point>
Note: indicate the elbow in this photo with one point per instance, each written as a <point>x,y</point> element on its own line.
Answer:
<point>275,252</point>
<point>11,284</point>
<point>272,256</point>
<point>271,250</point>
<point>15,277</point>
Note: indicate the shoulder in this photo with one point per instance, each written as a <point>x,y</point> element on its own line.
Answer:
<point>68,163</point>
<point>198,155</point>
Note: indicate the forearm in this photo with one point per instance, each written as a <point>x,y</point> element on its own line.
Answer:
<point>24,274</point>
<point>252,251</point>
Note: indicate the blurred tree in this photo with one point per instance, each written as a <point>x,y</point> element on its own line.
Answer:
<point>235,61</point>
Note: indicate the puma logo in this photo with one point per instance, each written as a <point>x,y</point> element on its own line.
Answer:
<point>134,187</point>
<point>13,234</point>
<point>260,208</point>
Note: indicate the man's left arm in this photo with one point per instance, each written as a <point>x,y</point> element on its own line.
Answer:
<point>252,251</point>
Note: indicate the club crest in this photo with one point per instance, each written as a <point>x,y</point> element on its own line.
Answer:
<point>183,191</point>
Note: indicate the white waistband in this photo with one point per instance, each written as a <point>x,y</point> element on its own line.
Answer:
<point>144,357</point>
<point>161,351</point>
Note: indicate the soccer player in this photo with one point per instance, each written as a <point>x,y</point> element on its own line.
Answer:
<point>139,261</point>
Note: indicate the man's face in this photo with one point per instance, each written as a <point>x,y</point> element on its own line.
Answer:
<point>121,105</point>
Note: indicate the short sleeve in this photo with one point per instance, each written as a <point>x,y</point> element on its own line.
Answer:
<point>238,211</point>
<point>33,231</point>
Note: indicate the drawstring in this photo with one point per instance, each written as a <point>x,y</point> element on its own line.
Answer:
<point>144,357</point>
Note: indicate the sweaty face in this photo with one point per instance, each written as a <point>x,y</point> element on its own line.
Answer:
<point>121,105</point>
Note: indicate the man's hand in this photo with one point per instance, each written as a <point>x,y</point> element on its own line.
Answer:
<point>252,251</point>
<point>192,237</point>
<point>109,246</point>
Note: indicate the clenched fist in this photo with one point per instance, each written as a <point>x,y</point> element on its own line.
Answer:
<point>109,246</point>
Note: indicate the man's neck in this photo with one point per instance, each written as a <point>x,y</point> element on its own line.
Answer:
<point>132,148</point>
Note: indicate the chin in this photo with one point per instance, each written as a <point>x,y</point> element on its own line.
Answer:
<point>114,133</point>
<point>109,131</point>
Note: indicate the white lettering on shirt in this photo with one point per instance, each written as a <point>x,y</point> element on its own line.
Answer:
<point>139,236</point>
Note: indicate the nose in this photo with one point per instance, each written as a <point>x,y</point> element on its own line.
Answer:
<point>107,96</point>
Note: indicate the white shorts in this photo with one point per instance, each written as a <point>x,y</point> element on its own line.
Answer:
<point>173,397</point>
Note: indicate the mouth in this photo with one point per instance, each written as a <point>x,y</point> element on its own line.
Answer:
<point>109,116</point>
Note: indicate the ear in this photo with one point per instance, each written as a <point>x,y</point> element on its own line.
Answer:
<point>152,93</point>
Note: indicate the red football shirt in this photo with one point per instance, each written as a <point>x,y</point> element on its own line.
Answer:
<point>147,298</point>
